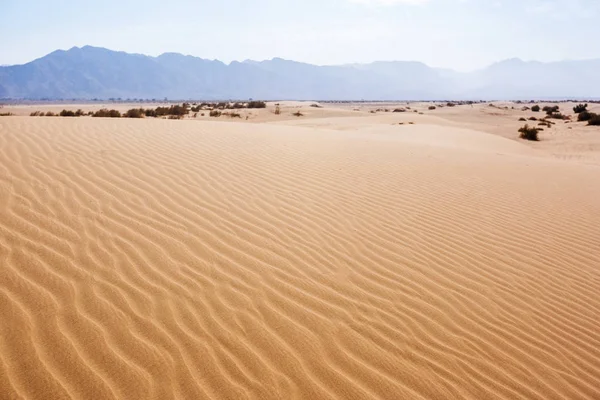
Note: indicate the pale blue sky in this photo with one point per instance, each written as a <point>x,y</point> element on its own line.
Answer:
<point>459,34</point>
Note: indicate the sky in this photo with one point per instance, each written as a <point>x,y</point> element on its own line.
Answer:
<point>464,35</point>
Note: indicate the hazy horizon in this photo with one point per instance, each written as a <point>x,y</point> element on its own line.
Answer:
<point>466,35</point>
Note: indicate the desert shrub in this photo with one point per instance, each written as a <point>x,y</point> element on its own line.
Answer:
<point>68,113</point>
<point>396,110</point>
<point>237,106</point>
<point>195,109</point>
<point>595,120</point>
<point>177,109</point>
<point>50,114</point>
<point>533,119</point>
<point>535,108</point>
<point>557,116</point>
<point>450,104</point>
<point>36,114</point>
<point>232,114</point>
<point>175,117</point>
<point>315,105</point>
<point>584,116</point>
<point>522,119</point>
<point>432,107</point>
<point>221,105</point>
<point>257,104</point>
<point>79,113</point>
<point>550,109</point>
<point>580,108</point>
<point>106,113</point>
<point>298,114</point>
<point>6,114</point>
<point>528,133</point>
<point>150,113</point>
<point>202,115</point>
<point>215,113</point>
<point>135,113</point>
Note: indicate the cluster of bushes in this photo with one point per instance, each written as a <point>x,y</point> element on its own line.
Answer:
<point>591,118</point>
<point>106,113</point>
<point>578,109</point>
<point>69,113</point>
<point>535,108</point>
<point>529,133</point>
<point>550,109</point>
<point>7,114</point>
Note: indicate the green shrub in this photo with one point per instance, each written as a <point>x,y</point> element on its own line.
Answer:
<point>529,133</point>
<point>580,108</point>
<point>535,108</point>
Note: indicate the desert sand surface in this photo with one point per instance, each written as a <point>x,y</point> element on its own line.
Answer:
<point>339,255</point>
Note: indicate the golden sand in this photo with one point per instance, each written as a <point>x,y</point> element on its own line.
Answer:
<point>340,257</point>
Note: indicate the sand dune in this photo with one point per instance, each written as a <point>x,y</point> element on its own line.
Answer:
<point>155,259</point>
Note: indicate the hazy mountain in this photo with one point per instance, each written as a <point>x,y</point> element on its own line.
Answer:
<point>91,72</point>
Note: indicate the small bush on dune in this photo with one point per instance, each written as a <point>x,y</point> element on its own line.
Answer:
<point>533,119</point>
<point>585,116</point>
<point>36,114</point>
<point>580,108</point>
<point>298,114</point>
<point>432,107</point>
<point>50,114</point>
<point>106,113</point>
<point>550,109</point>
<point>257,104</point>
<point>557,116</point>
<point>175,117</point>
<point>535,108</point>
<point>135,113</point>
<point>215,113</point>
<point>595,120</point>
<point>316,105</point>
<point>528,133</point>
<point>68,113</point>
<point>522,119</point>
<point>396,110</point>
<point>6,114</point>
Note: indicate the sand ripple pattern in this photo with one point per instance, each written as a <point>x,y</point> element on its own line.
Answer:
<point>175,259</point>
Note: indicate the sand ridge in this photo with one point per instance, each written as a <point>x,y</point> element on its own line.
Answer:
<point>164,259</point>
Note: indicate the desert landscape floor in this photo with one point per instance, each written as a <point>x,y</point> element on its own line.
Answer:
<point>338,257</point>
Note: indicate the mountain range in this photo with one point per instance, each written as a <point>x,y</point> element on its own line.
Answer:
<point>92,72</point>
